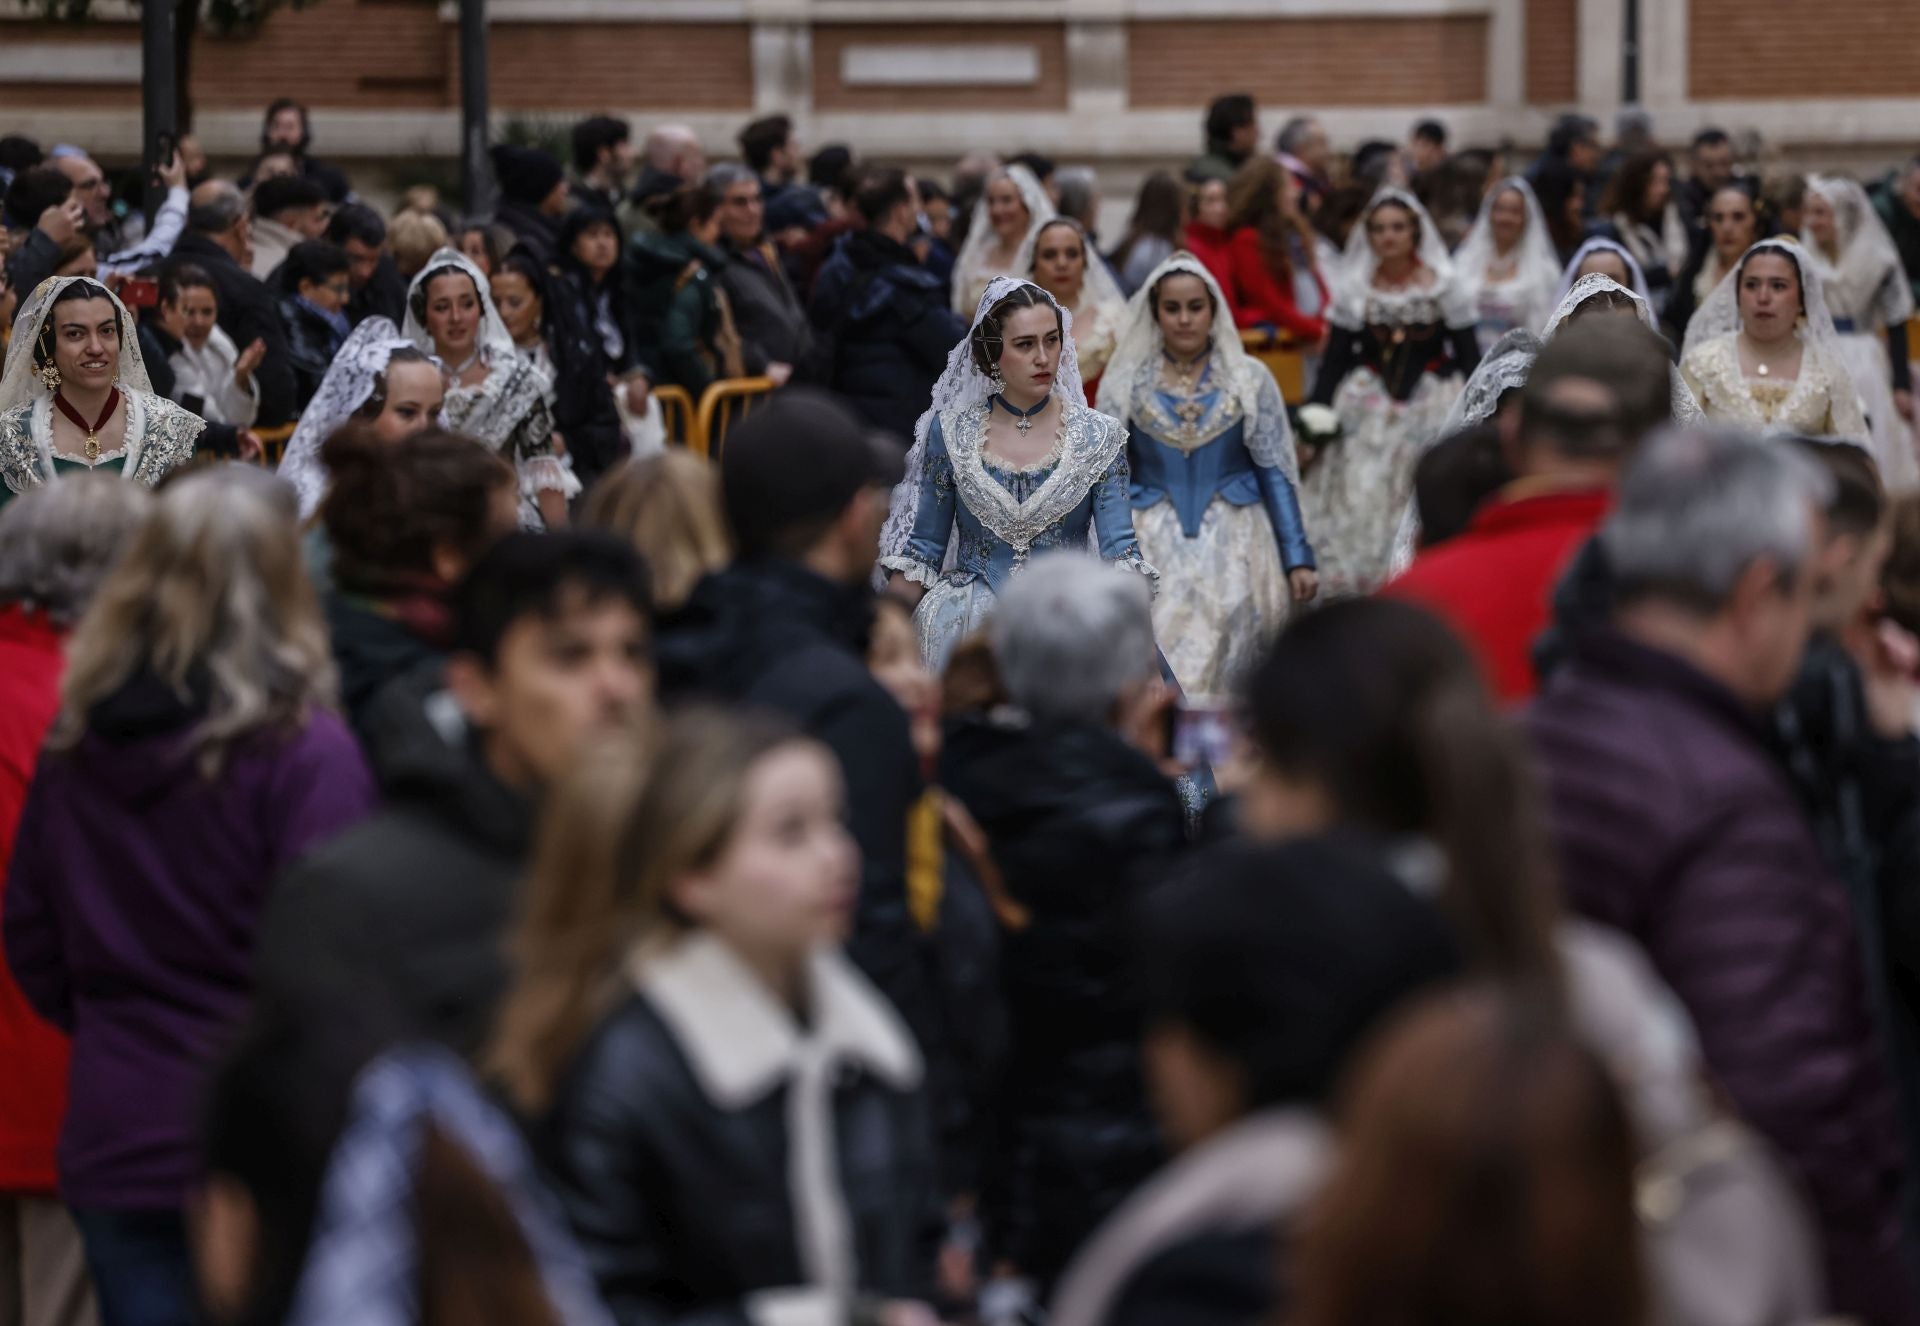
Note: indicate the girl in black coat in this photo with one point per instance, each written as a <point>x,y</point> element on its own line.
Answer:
<point>730,1115</point>
<point>545,323</point>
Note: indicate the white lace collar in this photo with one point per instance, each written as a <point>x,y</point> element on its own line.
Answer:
<point>1089,442</point>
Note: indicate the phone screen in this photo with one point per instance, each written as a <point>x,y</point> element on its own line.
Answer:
<point>1202,737</point>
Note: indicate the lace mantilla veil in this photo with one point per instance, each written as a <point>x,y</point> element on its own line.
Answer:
<point>495,343</point>
<point>347,386</point>
<point>20,384</point>
<point>1353,274</point>
<point>1507,364</point>
<point>1867,273</point>
<point>1136,361</point>
<point>1636,278</point>
<point>1538,266</point>
<point>980,237</point>
<point>1719,315</point>
<point>961,387</point>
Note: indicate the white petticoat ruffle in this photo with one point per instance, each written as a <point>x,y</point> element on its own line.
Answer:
<point>1223,593</point>
<point>1354,496</point>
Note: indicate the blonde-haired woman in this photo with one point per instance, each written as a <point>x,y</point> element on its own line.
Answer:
<point>681,1013</point>
<point>667,506</point>
<point>196,754</point>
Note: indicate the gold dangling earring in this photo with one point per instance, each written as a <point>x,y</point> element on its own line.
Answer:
<point>50,374</point>
<point>999,382</point>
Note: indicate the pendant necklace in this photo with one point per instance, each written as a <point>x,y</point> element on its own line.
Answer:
<point>1189,409</point>
<point>1022,419</point>
<point>92,430</point>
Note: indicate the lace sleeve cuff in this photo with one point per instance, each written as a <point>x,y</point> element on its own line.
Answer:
<point>546,474</point>
<point>1132,560</point>
<point>914,570</point>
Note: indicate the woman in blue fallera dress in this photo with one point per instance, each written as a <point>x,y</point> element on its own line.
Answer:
<point>1008,463</point>
<point>1215,480</point>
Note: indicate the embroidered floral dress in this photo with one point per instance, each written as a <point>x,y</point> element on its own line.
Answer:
<point>1821,400</point>
<point>1392,382</point>
<point>1221,529</point>
<point>978,520</point>
<point>160,437</point>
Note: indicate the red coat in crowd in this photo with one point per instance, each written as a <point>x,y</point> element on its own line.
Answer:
<point>1260,296</point>
<point>1210,245</point>
<point>1493,582</point>
<point>33,1089</point>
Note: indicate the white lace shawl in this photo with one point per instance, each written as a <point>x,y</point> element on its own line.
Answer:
<point>1353,275</point>
<point>1537,266</point>
<point>1865,279</point>
<point>347,386</point>
<point>971,265</point>
<point>1508,363</point>
<point>1135,367</point>
<point>961,387</point>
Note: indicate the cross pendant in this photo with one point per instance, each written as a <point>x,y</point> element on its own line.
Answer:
<point>1024,425</point>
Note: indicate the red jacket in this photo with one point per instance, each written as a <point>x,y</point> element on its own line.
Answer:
<point>1210,245</point>
<point>1258,294</point>
<point>33,1084</point>
<point>1494,582</point>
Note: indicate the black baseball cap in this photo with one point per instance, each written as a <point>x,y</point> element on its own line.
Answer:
<point>798,459</point>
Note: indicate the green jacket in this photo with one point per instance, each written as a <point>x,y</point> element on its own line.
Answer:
<point>674,301</point>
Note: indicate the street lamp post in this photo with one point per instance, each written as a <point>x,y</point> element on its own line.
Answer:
<point>159,104</point>
<point>476,174</point>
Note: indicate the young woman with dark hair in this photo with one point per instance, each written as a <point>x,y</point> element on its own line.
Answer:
<point>1276,280</point>
<point>1154,233</point>
<point>549,324</point>
<point>1639,211</point>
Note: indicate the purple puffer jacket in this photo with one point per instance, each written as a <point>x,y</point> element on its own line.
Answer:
<point>132,902</point>
<point>1675,825</point>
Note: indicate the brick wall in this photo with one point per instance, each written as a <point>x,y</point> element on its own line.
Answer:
<point>343,53</point>
<point>830,93</point>
<point>1551,75</point>
<point>1310,61</point>
<point>1759,50</point>
<point>593,66</point>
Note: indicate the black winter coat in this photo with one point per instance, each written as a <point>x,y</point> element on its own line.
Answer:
<point>408,913</point>
<point>773,634</point>
<point>670,1144</point>
<point>371,649</point>
<point>311,345</point>
<point>249,311</point>
<point>1078,822</point>
<point>584,412</point>
<point>884,329</point>
<point>383,296</point>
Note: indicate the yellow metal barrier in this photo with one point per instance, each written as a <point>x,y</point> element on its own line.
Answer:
<point>273,444</point>
<point>677,410</point>
<point>1283,359</point>
<point>724,404</point>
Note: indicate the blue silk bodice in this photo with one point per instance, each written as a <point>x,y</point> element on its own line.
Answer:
<point>1188,447</point>
<point>997,517</point>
